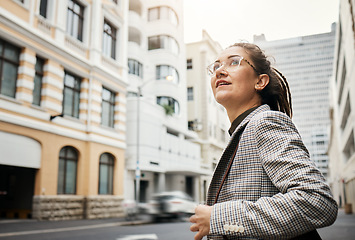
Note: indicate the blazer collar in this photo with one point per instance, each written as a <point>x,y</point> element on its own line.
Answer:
<point>260,109</point>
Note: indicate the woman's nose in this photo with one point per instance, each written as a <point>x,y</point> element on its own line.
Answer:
<point>221,71</point>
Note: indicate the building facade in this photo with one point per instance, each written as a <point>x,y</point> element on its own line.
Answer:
<point>63,68</point>
<point>342,86</point>
<point>307,64</point>
<point>161,154</point>
<point>205,116</point>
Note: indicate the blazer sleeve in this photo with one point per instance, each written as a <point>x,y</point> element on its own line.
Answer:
<point>304,201</point>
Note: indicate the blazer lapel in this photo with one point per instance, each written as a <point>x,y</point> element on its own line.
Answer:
<point>227,155</point>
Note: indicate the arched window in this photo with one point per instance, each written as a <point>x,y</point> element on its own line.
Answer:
<point>68,162</point>
<point>163,42</point>
<point>169,103</point>
<point>163,12</point>
<point>168,73</point>
<point>106,174</point>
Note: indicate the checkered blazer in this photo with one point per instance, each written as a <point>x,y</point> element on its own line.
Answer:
<point>273,189</point>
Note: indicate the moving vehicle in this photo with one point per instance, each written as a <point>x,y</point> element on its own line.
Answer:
<point>175,204</point>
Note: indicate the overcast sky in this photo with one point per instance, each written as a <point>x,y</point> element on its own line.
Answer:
<point>229,21</point>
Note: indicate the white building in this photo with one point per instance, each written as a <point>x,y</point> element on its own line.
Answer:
<point>205,116</point>
<point>160,153</point>
<point>307,64</point>
<point>342,86</point>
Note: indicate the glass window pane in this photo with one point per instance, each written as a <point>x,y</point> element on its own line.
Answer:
<point>69,80</point>
<point>61,170</point>
<point>8,79</point>
<point>37,90</point>
<point>76,104</point>
<point>105,113</point>
<point>12,53</point>
<point>154,43</point>
<point>68,102</point>
<point>103,179</point>
<point>70,181</point>
<point>71,153</point>
<point>153,14</point>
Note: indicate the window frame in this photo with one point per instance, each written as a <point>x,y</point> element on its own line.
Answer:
<point>110,174</point>
<point>39,73</point>
<point>111,103</point>
<point>76,91</point>
<point>109,50</point>
<point>65,160</point>
<point>71,14</point>
<point>15,64</point>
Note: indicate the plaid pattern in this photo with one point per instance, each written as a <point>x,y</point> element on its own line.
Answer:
<point>273,189</point>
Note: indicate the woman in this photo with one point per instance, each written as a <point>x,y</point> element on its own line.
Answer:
<point>265,186</point>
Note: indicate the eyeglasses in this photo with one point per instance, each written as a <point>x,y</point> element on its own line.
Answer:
<point>232,63</point>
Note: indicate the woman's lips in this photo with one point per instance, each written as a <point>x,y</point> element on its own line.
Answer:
<point>222,83</point>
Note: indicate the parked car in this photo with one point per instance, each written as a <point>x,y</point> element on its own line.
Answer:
<point>174,204</point>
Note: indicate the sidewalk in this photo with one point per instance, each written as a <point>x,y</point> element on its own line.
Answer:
<point>342,229</point>
<point>15,227</point>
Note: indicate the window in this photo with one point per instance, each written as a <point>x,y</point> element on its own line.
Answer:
<point>190,94</point>
<point>9,62</point>
<point>135,68</point>
<point>109,40</point>
<point>38,81</point>
<point>108,108</point>
<point>75,19</point>
<point>43,8</point>
<point>163,42</point>
<point>189,63</point>
<point>166,72</point>
<point>169,102</point>
<point>71,96</point>
<point>68,161</point>
<point>160,13</point>
<point>106,174</point>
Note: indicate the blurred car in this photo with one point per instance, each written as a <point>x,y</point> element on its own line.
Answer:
<point>174,204</point>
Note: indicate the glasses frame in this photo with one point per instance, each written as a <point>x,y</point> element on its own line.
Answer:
<point>209,71</point>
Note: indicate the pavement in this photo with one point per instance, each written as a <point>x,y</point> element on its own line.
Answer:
<point>342,229</point>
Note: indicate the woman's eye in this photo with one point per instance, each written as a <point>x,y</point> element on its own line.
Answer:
<point>235,62</point>
<point>216,66</point>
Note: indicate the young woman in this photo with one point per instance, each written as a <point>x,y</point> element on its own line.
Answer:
<point>265,185</point>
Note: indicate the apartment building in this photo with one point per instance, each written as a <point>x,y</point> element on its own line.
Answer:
<point>161,154</point>
<point>63,68</point>
<point>342,89</point>
<point>307,63</point>
<point>205,116</point>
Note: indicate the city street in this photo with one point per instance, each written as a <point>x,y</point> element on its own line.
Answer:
<point>142,229</point>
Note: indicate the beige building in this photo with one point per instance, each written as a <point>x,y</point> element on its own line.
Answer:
<point>63,68</point>
<point>205,116</point>
<point>342,88</point>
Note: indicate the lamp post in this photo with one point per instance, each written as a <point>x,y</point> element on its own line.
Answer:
<point>138,170</point>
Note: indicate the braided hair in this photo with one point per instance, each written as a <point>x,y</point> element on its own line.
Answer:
<point>277,92</point>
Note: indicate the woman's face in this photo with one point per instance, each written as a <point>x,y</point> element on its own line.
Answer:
<point>234,86</point>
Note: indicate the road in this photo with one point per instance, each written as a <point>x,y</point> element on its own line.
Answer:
<point>117,229</point>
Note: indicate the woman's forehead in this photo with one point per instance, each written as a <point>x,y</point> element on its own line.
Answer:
<point>232,51</point>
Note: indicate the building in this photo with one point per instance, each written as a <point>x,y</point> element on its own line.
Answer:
<point>161,154</point>
<point>307,64</point>
<point>342,89</point>
<point>62,108</point>
<point>205,116</point>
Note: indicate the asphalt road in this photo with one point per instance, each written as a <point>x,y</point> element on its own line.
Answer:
<point>119,229</point>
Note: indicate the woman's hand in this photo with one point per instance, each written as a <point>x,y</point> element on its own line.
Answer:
<point>201,221</point>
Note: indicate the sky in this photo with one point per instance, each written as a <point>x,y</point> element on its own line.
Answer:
<point>230,21</point>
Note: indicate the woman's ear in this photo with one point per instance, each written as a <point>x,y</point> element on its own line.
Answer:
<point>263,81</point>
